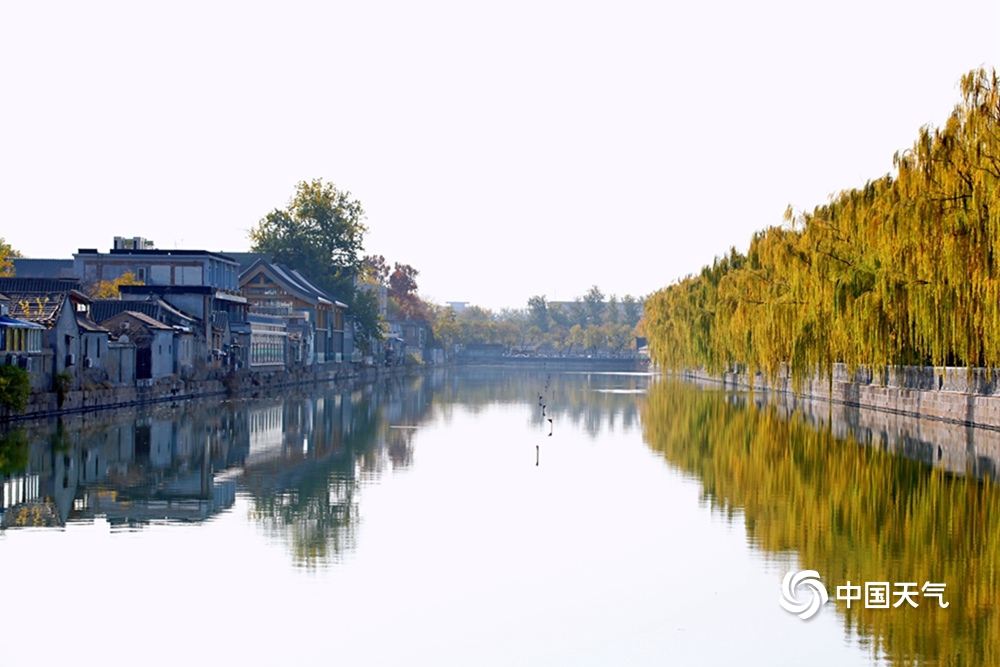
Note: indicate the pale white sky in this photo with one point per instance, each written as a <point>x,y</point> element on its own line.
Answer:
<point>507,150</point>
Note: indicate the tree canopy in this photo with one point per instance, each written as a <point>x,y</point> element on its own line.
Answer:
<point>7,253</point>
<point>108,289</point>
<point>320,232</point>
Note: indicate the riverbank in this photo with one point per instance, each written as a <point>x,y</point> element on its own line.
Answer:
<point>48,404</point>
<point>946,394</point>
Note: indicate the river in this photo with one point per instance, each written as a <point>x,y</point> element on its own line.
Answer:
<point>445,520</point>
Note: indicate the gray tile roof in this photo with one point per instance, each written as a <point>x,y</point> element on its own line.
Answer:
<point>294,281</point>
<point>38,285</point>
<point>86,325</point>
<point>102,310</point>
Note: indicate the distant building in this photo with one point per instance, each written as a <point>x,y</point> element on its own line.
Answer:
<point>159,267</point>
<point>43,268</point>
<point>134,243</point>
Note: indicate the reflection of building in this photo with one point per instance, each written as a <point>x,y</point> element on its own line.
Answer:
<point>145,469</point>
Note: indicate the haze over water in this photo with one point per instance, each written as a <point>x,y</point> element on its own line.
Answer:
<point>415,522</point>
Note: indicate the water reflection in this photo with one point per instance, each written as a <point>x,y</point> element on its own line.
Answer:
<point>849,508</point>
<point>155,467</point>
<point>819,484</point>
<point>589,401</point>
<point>298,456</point>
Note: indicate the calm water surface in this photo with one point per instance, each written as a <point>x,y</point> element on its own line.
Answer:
<point>443,520</point>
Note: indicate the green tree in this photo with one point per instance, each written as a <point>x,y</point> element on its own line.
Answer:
<point>538,312</point>
<point>631,310</point>
<point>594,337</point>
<point>611,313</point>
<point>594,303</point>
<point>320,232</point>
<point>7,253</point>
<point>368,327</point>
<point>508,333</point>
<point>446,329</point>
<point>575,337</point>
<point>15,388</point>
<point>578,312</point>
<point>619,336</point>
<point>375,269</point>
<point>477,326</point>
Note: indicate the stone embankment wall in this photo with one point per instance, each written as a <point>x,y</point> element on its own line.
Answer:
<point>948,394</point>
<point>46,404</point>
<point>943,416</point>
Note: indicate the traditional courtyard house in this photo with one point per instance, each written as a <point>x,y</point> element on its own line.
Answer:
<point>158,309</point>
<point>93,350</point>
<point>314,320</point>
<point>329,325</point>
<point>154,343</point>
<point>198,283</point>
<point>188,337</point>
<point>20,341</point>
<point>53,304</point>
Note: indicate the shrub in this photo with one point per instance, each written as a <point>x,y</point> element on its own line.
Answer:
<point>15,388</point>
<point>62,382</point>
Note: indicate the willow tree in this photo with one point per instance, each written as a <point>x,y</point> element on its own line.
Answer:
<point>901,271</point>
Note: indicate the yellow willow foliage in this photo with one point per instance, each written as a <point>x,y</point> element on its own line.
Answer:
<point>905,270</point>
<point>851,512</point>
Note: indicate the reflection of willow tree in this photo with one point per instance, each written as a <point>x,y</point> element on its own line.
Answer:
<point>311,499</point>
<point>318,515</point>
<point>588,400</point>
<point>851,512</point>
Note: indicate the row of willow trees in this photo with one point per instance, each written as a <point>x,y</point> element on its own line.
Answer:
<point>903,271</point>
